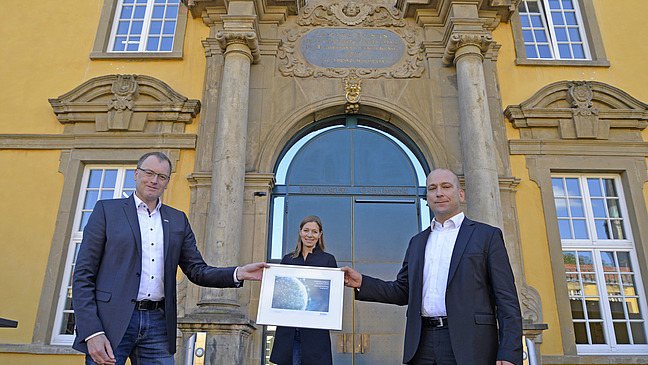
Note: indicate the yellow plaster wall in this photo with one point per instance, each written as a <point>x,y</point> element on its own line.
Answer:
<point>45,53</point>
<point>27,220</point>
<point>627,55</point>
<point>31,359</point>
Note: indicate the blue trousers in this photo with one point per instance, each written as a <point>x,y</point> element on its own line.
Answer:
<point>145,341</point>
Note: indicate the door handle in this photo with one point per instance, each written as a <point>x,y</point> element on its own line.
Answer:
<point>353,343</point>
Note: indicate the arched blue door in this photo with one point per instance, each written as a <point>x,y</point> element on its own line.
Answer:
<point>367,185</point>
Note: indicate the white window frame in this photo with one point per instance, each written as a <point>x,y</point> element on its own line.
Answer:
<point>144,35</point>
<point>596,246</point>
<point>75,241</point>
<point>550,32</point>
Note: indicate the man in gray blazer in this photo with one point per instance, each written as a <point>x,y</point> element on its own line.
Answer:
<point>458,284</point>
<point>124,284</point>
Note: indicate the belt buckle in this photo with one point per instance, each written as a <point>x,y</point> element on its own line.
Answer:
<point>440,321</point>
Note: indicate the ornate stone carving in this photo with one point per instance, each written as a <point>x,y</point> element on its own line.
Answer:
<point>352,87</point>
<point>585,121</point>
<point>458,41</point>
<point>292,64</point>
<point>247,39</point>
<point>580,94</point>
<point>120,108</point>
<point>128,103</point>
<point>350,14</point>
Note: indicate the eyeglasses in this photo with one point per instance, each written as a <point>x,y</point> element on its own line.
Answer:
<point>150,173</point>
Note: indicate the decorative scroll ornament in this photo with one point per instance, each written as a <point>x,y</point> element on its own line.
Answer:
<point>120,108</point>
<point>352,87</point>
<point>458,41</point>
<point>350,14</point>
<point>585,118</point>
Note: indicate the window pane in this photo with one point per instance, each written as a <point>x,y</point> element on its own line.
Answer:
<point>528,35</point>
<point>580,229</point>
<point>533,6</point>
<point>536,21</point>
<point>540,36</point>
<point>531,51</point>
<point>565,230</point>
<point>153,44</point>
<point>136,28</point>
<point>561,208</point>
<point>613,208</point>
<point>632,306</point>
<point>569,257</point>
<point>67,325</point>
<point>574,35</point>
<point>573,284</point>
<point>129,180</point>
<point>618,232</point>
<point>577,309</point>
<point>169,27</point>
<point>107,194</point>
<point>610,188</point>
<point>558,188</point>
<point>621,333</point>
<point>576,208</point>
<point>593,308</point>
<point>524,19</point>
<point>84,220</point>
<point>90,199</point>
<point>570,18</point>
<point>607,259</point>
<point>578,51</point>
<point>624,261</point>
<point>133,47</point>
<point>140,12</point>
<point>120,44</point>
<point>598,208</point>
<point>589,285</point>
<point>564,50</point>
<point>580,332</point>
<point>110,179</point>
<point>156,28</point>
<point>573,188</point>
<point>554,4</point>
<point>602,229</point>
<point>567,4</point>
<point>127,12</point>
<point>545,51</point>
<point>167,44</point>
<point>596,330</point>
<point>638,333</point>
<point>561,35</point>
<point>557,18</point>
<point>158,12</point>
<point>172,12</point>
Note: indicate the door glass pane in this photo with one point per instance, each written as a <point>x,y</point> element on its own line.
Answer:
<point>577,308</point>
<point>379,161</point>
<point>580,332</point>
<point>621,333</point>
<point>558,186</point>
<point>597,333</point>
<point>593,309</point>
<point>638,333</point>
<point>325,160</point>
<point>594,187</point>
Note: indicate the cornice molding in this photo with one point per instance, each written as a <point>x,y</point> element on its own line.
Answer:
<point>97,141</point>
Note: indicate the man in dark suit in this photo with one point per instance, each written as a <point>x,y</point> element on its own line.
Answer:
<point>124,286</point>
<point>458,284</point>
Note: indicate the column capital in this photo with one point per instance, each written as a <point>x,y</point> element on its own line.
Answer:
<point>460,44</point>
<point>247,41</point>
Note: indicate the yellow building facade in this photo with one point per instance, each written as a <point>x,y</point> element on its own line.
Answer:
<point>273,110</point>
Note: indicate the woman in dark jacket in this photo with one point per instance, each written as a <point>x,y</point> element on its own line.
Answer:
<point>305,346</point>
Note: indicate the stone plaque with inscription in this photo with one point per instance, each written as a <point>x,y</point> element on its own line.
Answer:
<point>352,48</point>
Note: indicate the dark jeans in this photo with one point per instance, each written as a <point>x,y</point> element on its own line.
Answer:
<point>297,351</point>
<point>145,341</point>
<point>434,347</point>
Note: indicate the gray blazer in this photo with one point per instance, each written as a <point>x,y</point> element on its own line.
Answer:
<point>107,272</point>
<point>480,295</point>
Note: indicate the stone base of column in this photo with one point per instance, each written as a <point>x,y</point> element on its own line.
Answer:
<point>228,334</point>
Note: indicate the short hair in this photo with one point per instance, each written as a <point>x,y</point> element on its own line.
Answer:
<point>160,156</point>
<point>320,242</point>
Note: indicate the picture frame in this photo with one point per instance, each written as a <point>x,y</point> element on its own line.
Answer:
<point>301,296</point>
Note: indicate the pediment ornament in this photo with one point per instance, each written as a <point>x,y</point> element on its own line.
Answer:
<point>350,14</point>
<point>345,17</point>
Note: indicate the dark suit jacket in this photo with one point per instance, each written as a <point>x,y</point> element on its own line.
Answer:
<point>109,263</point>
<point>480,295</point>
<point>315,343</point>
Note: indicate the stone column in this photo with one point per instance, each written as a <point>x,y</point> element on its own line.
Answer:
<point>228,327</point>
<point>477,145</point>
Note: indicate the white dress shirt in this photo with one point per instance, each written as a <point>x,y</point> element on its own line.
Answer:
<point>438,253</point>
<point>152,276</point>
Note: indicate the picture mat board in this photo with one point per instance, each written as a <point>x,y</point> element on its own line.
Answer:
<point>301,296</point>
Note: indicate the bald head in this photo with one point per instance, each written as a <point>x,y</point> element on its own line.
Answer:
<point>444,194</point>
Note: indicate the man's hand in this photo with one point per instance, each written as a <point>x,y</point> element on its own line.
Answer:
<point>251,271</point>
<point>502,362</point>
<point>352,278</point>
<point>100,350</point>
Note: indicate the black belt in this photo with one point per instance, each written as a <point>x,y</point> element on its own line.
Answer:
<point>147,305</point>
<point>435,321</point>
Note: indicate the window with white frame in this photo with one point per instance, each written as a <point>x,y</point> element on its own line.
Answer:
<point>99,182</point>
<point>144,26</point>
<point>553,30</point>
<point>608,305</point>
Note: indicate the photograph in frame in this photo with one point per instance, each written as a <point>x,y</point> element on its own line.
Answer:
<point>301,296</point>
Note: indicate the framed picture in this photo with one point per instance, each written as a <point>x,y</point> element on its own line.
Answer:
<point>301,296</point>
